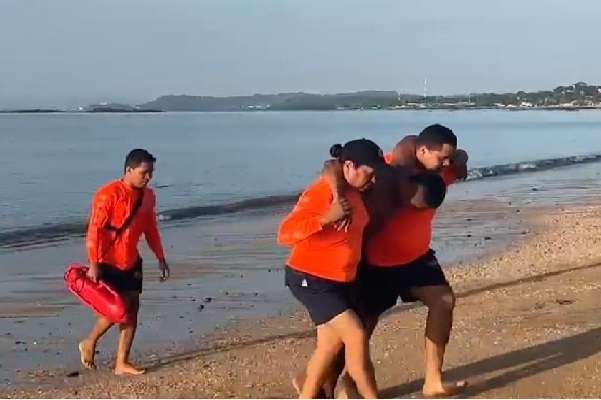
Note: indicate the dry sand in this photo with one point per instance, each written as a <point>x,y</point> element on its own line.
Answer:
<point>528,325</point>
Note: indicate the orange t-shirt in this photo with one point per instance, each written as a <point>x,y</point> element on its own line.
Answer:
<point>406,235</point>
<point>320,250</point>
<point>111,205</point>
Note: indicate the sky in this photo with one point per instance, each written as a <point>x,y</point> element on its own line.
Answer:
<point>73,52</point>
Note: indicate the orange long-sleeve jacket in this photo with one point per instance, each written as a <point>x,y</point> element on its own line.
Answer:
<point>322,250</point>
<point>111,205</point>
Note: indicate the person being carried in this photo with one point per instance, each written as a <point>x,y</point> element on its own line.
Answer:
<point>113,254</point>
<point>399,260</point>
<point>322,266</point>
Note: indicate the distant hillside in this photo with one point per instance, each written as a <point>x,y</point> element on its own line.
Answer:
<point>31,111</point>
<point>579,95</point>
<point>282,101</point>
<point>576,96</point>
<point>117,108</point>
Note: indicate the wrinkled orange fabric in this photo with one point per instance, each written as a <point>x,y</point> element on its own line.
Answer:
<point>407,234</point>
<point>322,250</point>
<point>111,205</point>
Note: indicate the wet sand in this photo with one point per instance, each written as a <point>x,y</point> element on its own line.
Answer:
<point>224,270</point>
<point>527,325</point>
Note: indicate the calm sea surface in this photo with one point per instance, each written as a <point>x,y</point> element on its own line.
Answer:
<point>52,163</point>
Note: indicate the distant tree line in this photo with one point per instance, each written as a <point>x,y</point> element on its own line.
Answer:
<point>579,94</point>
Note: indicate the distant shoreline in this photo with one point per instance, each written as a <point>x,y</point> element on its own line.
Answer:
<point>60,111</point>
<point>426,108</point>
<point>579,96</point>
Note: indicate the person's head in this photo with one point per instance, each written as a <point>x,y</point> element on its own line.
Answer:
<point>435,146</point>
<point>426,190</point>
<point>359,159</point>
<point>139,167</point>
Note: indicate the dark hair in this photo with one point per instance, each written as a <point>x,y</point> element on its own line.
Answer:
<point>336,150</point>
<point>434,189</point>
<point>138,156</point>
<point>435,136</point>
<point>359,151</point>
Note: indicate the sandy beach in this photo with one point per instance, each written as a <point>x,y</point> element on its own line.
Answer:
<point>224,269</point>
<point>527,325</point>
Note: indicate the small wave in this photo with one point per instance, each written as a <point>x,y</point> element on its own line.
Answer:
<point>52,233</point>
<point>228,208</point>
<point>530,166</point>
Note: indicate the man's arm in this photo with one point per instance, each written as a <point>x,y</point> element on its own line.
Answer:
<point>458,166</point>
<point>333,175</point>
<point>402,189</point>
<point>403,153</point>
<point>151,232</point>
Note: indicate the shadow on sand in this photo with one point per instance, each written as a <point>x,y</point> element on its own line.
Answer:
<point>522,364</point>
<point>525,362</point>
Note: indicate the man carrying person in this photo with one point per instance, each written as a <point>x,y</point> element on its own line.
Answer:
<point>122,210</point>
<point>400,262</point>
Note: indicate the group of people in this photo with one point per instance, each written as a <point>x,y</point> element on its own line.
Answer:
<point>360,236</point>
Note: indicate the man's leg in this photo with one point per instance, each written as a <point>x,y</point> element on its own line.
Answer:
<point>87,347</point>
<point>440,301</point>
<point>127,332</point>
<point>428,284</point>
<point>132,288</point>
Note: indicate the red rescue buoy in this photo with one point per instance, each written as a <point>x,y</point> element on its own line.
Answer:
<point>97,295</point>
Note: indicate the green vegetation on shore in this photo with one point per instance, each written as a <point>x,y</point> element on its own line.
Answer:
<point>576,96</point>
<point>572,97</point>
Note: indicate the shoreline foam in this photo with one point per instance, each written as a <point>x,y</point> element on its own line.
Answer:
<point>50,233</point>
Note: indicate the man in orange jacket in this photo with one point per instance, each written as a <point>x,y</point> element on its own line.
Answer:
<point>122,211</point>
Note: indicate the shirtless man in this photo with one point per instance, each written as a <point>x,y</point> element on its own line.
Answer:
<point>122,210</point>
<point>399,261</point>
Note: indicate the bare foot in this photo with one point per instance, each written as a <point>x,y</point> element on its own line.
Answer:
<point>128,369</point>
<point>298,382</point>
<point>348,390</point>
<point>87,351</point>
<point>444,389</point>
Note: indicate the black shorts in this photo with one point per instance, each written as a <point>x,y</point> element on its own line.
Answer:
<point>381,287</point>
<point>120,280</point>
<point>323,298</point>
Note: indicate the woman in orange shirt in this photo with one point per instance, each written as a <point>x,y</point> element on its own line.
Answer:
<point>322,266</point>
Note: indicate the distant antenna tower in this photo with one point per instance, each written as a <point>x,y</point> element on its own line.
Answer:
<point>425,88</point>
